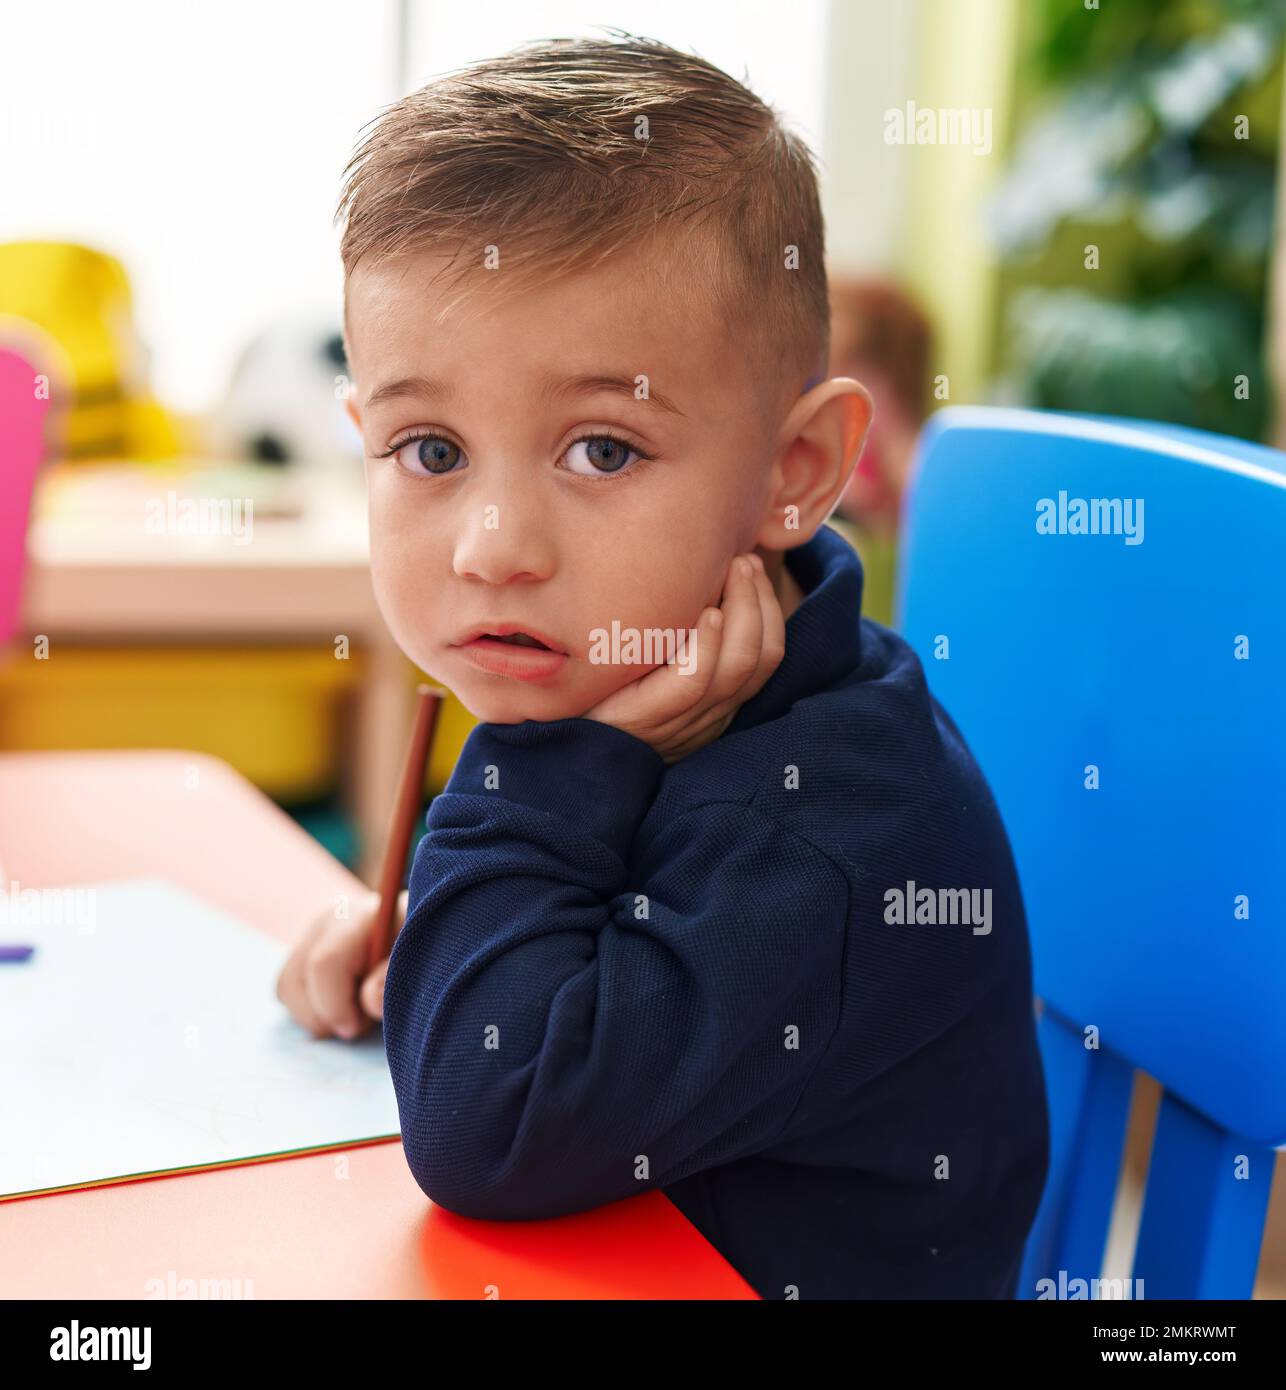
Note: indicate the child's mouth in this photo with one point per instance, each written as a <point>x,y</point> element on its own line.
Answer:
<point>516,654</point>
<point>519,639</point>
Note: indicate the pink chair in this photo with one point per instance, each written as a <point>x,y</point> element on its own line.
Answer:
<point>22,411</point>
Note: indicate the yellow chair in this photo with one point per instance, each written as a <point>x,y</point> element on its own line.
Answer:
<point>69,308</point>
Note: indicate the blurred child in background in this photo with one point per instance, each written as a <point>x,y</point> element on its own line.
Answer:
<point>881,338</point>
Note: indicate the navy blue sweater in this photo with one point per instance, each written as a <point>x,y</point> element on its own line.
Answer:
<point>618,975</point>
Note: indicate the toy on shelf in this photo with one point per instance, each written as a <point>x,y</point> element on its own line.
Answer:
<point>69,309</point>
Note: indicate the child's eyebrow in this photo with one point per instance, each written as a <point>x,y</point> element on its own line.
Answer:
<point>428,389</point>
<point>619,383</point>
<point>422,386</point>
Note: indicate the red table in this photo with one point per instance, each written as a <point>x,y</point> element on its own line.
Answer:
<point>347,1223</point>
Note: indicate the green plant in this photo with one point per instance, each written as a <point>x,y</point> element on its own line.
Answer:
<point>1135,223</point>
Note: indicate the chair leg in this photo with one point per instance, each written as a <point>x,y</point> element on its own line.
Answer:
<point>1089,1104</point>
<point>1204,1209</point>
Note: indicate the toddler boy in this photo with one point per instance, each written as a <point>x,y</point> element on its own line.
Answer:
<point>716,900</point>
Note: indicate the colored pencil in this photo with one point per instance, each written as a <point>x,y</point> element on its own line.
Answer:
<point>428,704</point>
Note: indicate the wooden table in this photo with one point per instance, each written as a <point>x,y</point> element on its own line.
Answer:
<point>99,572</point>
<point>348,1223</point>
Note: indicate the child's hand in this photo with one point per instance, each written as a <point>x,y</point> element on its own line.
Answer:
<point>739,645</point>
<point>324,982</point>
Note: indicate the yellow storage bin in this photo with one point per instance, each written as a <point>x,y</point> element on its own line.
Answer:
<point>272,713</point>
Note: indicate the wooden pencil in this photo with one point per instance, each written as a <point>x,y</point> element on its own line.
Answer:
<point>428,704</point>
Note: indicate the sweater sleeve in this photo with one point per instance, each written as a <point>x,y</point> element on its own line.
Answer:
<point>572,1018</point>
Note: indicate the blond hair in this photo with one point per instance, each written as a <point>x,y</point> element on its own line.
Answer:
<point>564,151</point>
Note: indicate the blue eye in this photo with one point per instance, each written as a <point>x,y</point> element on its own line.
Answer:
<point>429,453</point>
<point>600,454</point>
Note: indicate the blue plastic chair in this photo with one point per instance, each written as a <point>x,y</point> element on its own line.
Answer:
<point>1156,899</point>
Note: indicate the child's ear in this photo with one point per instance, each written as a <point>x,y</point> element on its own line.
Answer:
<point>820,442</point>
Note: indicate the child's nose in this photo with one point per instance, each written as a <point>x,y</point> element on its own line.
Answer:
<point>502,544</point>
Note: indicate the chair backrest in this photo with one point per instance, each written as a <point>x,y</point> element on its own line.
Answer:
<point>22,411</point>
<point>1100,605</point>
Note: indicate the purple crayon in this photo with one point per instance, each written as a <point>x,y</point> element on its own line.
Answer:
<point>15,953</point>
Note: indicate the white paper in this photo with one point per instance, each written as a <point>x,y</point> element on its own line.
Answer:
<point>152,1039</point>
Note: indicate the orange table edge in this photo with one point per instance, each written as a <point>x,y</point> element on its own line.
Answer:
<point>347,1222</point>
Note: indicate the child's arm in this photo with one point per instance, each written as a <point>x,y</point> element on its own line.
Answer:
<point>564,1031</point>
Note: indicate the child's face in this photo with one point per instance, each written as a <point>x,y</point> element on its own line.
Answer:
<point>508,517</point>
